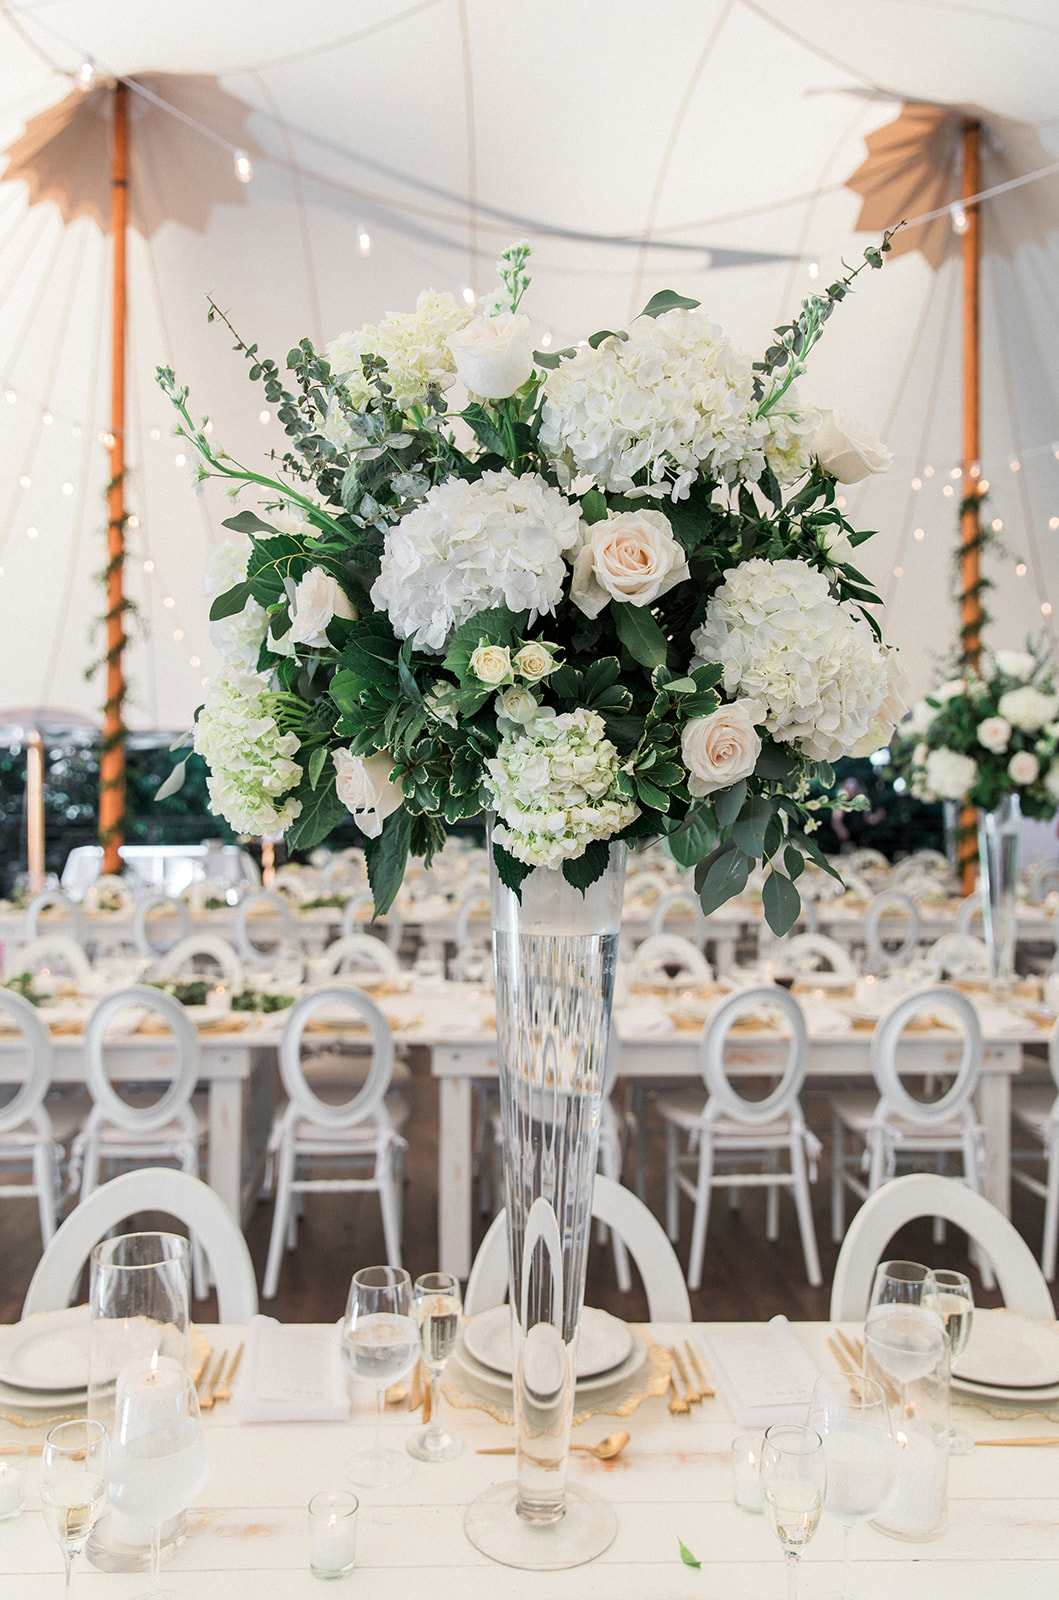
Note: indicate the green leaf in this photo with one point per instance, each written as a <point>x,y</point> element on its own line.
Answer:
<point>815,854</point>
<point>729,802</point>
<point>599,675</point>
<point>686,1556</point>
<point>484,429</point>
<point>726,878</point>
<point>248,522</point>
<point>668,300</point>
<point>386,857</point>
<point>780,902</point>
<point>748,829</point>
<point>511,872</point>
<point>175,781</point>
<point>552,358</point>
<point>775,764</point>
<point>640,634</point>
<point>773,835</point>
<point>794,861</point>
<point>649,795</point>
<point>316,765</point>
<point>593,507</point>
<point>231,602</point>
<point>591,864</point>
<point>694,840</point>
<point>321,811</point>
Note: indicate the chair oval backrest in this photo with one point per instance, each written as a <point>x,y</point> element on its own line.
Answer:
<point>805,951</point>
<point>668,903</point>
<point>369,1098</point>
<point>1045,878</point>
<point>29,1097</point>
<point>177,1194</point>
<point>971,911</point>
<point>464,917</point>
<point>888,901</point>
<point>49,947</point>
<point>957,955</point>
<point>345,872</point>
<point>108,888</point>
<point>659,949</point>
<point>639,1231</point>
<point>724,1098</point>
<point>645,886</point>
<point>359,952</point>
<point>41,903</point>
<point>276,903</point>
<point>885,1044</point>
<point>172,964</point>
<point>393,919</point>
<point>182,1083</point>
<point>925,1194</point>
<point>157,902</point>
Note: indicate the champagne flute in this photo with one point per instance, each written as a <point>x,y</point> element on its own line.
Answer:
<point>793,1484</point>
<point>437,1308</point>
<point>73,1485</point>
<point>380,1343</point>
<point>950,1296</point>
<point>158,1453</point>
<point>850,1414</point>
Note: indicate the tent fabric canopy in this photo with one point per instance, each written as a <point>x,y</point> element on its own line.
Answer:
<point>728,149</point>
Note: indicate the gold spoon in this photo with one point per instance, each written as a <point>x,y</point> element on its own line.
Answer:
<point>605,1450</point>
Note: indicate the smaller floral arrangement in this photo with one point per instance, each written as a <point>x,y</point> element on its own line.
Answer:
<point>987,734</point>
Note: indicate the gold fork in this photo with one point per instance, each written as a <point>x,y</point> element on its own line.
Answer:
<point>206,1400</point>
<point>678,1406</point>
<point>224,1390</point>
<point>706,1390</point>
<point>690,1392</point>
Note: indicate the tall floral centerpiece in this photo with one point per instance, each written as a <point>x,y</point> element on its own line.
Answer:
<point>990,739</point>
<point>598,594</point>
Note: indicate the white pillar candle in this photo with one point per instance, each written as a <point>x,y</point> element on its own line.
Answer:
<point>148,1389</point>
<point>12,1479</point>
<point>332,1533</point>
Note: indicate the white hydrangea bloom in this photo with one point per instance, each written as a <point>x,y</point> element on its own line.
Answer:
<point>675,391</point>
<point>789,448</point>
<point>236,639</point>
<point>248,757</point>
<point>553,788</point>
<point>469,546</point>
<point>782,639</point>
<point>1015,664</point>
<point>949,775</point>
<point>414,345</point>
<point>1028,708</point>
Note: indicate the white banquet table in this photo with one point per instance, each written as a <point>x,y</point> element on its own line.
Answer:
<point>248,1538</point>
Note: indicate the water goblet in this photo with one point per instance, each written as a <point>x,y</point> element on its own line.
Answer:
<point>73,1485</point>
<point>158,1451</point>
<point>437,1308</point>
<point>850,1414</point>
<point>950,1296</point>
<point>380,1343</point>
<point>793,1484</point>
<point>898,1283</point>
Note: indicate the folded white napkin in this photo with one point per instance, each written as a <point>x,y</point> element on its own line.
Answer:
<point>821,1018</point>
<point>765,1374</point>
<point>291,1373</point>
<point>996,1022</point>
<point>647,1021</point>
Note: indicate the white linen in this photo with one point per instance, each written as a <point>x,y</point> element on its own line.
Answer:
<point>291,1373</point>
<point>765,1374</point>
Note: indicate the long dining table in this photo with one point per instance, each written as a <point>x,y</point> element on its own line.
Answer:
<point>248,1539</point>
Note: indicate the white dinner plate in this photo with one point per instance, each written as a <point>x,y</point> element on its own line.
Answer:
<point>992,1391</point>
<point>604,1344</point>
<point>499,1386</point>
<point>1009,1352</point>
<point>47,1353</point>
<point>41,1400</point>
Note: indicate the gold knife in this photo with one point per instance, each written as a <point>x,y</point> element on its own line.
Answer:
<point>206,1400</point>
<point>415,1399</point>
<point>1031,1442</point>
<point>224,1391</point>
<point>691,1394</point>
<point>706,1390</point>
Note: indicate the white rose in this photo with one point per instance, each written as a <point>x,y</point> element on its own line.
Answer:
<point>1015,664</point>
<point>534,661</point>
<point>491,663</point>
<point>845,449</point>
<point>720,749</point>
<point>317,598</point>
<point>950,691</point>
<point>364,788</point>
<point>835,544</point>
<point>492,355</point>
<point>994,734</point>
<point>631,556</point>
<point>920,754</point>
<point>949,775</point>
<point>1023,767</point>
<point>1028,708</point>
<point>517,705</point>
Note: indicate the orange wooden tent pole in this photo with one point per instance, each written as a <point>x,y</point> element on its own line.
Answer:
<point>112,763</point>
<point>970,564</point>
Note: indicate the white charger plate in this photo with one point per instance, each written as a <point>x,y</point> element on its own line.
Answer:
<point>47,1354</point>
<point>496,1385</point>
<point>1006,1351</point>
<point>604,1344</point>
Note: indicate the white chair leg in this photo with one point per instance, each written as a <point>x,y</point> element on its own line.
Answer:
<point>44,1184</point>
<point>388,1204</point>
<point>283,1208</point>
<point>1051,1217</point>
<point>703,1190</point>
<point>838,1177</point>
<point>973,1177</point>
<point>804,1204</point>
<point>672,1189</point>
<point>772,1203</point>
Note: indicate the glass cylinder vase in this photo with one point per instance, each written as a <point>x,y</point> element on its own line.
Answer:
<point>555,950</point>
<point>998,856</point>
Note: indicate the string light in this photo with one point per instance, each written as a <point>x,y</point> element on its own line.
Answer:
<point>10,396</point>
<point>133,521</point>
<point>32,533</point>
<point>205,683</point>
<point>983,487</point>
<point>840,501</point>
<point>899,572</point>
<point>468,295</point>
<point>193,661</point>
<point>244,170</point>
<point>546,339</point>
<point>997,525</point>
<point>25,483</point>
<point>948,491</point>
<point>1053,523</point>
<point>917,484</point>
<point>86,75</point>
<point>106,439</point>
<point>960,220</point>
<point>178,634</point>
<point>169,602</point>
<point>76,431</point>
<point>264,417</point>
<point>919,534</point>
<point>180,459</point>
<point>928,472</point>
<point>364,241</point>
<point>148,566</point>
<point>68,488</point>
<point>47,418</point>
<point>1020,570</point>
<point>814,270</point>
<point>956,472</point>
<point>1046,609</point>
<point>1016,464</point>
<point>156,433</point>
<point>976,469</point>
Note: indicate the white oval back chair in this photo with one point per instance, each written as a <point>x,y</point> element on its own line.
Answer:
<point>27,1137</point>
<point>260,901</point>
<point>148,907</point>
<point>365,900</point>
<point>179,961</point>
<point>52,900</point>
<point>50,950</point>
<point>884,906</point>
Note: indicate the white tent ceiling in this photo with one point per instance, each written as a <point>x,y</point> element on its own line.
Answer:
<point>701,145</point>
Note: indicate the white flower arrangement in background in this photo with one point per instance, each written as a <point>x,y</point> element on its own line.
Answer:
<point>250,760</point>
